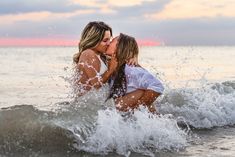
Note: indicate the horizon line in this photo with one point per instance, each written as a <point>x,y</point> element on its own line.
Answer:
<point>35,42</point>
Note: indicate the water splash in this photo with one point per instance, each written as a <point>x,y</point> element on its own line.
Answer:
<point>204,107</point>
<point>141,132</point>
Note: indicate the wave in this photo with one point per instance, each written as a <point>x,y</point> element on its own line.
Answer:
<point>90,125</point>
<point>78,127</point>
<point>24,128</point>
<point>208,106</point>
<point>141,132</point>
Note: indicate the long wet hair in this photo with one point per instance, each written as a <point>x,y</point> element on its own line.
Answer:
<point>92,35</point>
<point>126,48</point>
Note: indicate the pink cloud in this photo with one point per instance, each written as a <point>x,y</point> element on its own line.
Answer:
<point>148,42</point>
<point>57,42</point>
<point>37,42</point>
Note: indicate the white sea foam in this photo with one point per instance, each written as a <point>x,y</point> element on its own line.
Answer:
<point>205,107</point>
<point>141,132</point>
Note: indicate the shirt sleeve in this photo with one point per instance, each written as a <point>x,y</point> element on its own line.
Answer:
<point>139,78</point>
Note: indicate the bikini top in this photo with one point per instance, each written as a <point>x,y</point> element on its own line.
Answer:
<point>103,66</point>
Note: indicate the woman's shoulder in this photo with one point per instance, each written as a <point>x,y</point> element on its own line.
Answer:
<point>134,69</point>
<point>137,71</point>
<point>88,54</point>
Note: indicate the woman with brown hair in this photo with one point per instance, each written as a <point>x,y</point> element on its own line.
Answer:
<point>132,86</point>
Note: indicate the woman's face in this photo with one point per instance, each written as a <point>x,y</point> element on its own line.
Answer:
<point>112,47</point>
<point>103,45</point>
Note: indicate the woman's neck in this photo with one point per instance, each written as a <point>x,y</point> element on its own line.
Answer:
<point>96,52</point>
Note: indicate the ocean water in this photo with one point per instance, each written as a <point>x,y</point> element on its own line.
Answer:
<point>39,115</point>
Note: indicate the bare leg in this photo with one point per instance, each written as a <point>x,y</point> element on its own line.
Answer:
<point>148,98</point>
<point>136,98</point>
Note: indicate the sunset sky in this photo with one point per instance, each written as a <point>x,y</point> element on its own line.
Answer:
<point>151,22</point>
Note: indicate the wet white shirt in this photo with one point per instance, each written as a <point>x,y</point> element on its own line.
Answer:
<point>140,78</point>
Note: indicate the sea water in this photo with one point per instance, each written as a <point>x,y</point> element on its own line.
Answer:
<point>39,115</point>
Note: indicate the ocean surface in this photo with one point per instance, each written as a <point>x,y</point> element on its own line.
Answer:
<point>40,117</point>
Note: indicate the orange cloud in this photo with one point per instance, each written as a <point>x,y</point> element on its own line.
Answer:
<point>181,9</point>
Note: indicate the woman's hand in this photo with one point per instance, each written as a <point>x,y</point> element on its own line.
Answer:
<point>112,64</point>
<point>133,61</point>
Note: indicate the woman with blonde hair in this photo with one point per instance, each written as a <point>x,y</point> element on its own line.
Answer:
<point>91,66</point>
<point>132,86</point>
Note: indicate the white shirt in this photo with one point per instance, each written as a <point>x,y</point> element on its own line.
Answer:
<point>139,78</point>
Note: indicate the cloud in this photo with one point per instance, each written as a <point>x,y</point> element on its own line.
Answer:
<point>26,10</point>
<point>109,6</point>
<point>216,31</point>
<point>26,6</point>
<point>41,16</point>
<point>110,3</point>
<point>173,22</point>
<point>181,9</point>
<point>137,12</point>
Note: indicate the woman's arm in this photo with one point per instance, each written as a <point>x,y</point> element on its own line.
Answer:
<point>112,65</point>
<point>89,64</point>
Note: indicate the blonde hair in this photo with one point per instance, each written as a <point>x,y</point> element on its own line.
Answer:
<point>92,35</point>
